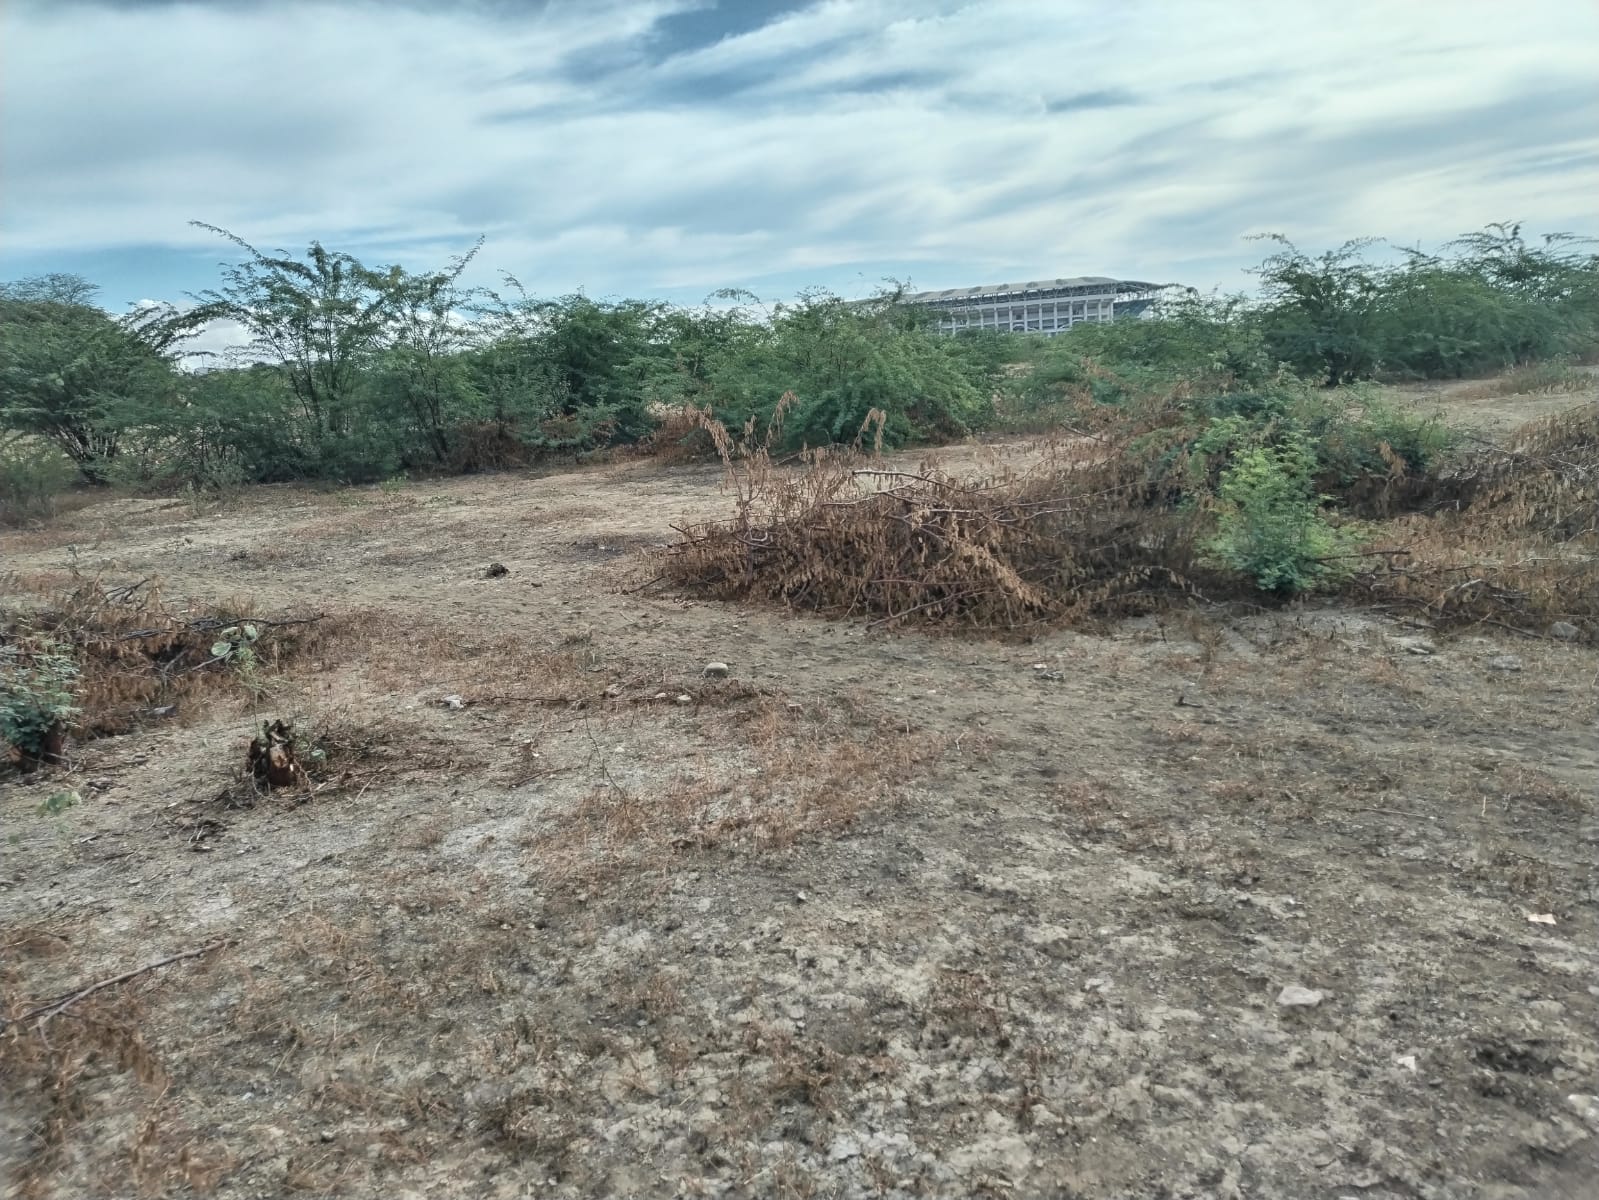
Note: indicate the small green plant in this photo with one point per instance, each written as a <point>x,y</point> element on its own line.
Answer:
<point>1270,525</point>
<point>36,678</point>
<point>235,647</point>
<point>57,803</point>
<point>393,484</point>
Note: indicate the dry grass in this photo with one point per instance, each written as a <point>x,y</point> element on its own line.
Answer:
<point>89,1072</point>
<point>1533,379</point>
<point>136,652</point>
<point>1067,537</point>
<point>1514,540</point>
<point>790,777</point>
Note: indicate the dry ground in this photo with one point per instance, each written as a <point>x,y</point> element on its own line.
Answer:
<point>878,915</point>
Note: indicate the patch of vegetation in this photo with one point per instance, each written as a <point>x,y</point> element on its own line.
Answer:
<point>37,676</point>
<point>1269,520</point>
<point>1171,498</point>
<point>354,373</point>
<point>33,474</point>
<point>96,662</point>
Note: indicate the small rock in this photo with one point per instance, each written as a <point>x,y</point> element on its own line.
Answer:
<point>801,897</point>
<point>165,710</point>
<point>1587,1107</point>
<point>1565,631</point>
<point>685,698</point>
<point>451,702</point>
<point>1505,662</point>
<point>716,670</point>
<point>1407,1061</point>
<point>495,570</point>
<point>844,1148</point>
<point>1414,645</point>
<point>1294,996</point>
<point>662,696</point>
<point>327,1135</point>
<point>1096,984</point>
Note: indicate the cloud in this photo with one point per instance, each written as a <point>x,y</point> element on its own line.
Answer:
<point>671,147</point>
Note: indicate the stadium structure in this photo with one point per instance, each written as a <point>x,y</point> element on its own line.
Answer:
<point>1046,306</point>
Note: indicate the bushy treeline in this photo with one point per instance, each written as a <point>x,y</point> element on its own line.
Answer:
<point>356,373</point>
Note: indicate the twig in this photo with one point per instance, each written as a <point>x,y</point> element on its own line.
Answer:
<point>1403,550</point>
<point>125,592</point>
<point>532,699</point>
<point>61,1003</point>
<point>605,770</point>
<point>647,583</point>
<point>1393,812</point>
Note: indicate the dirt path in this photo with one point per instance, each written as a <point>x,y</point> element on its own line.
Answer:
<point>876,916</point>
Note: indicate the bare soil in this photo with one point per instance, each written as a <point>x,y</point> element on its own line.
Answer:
<point>875,915</point>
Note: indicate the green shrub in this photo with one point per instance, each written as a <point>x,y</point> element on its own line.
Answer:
<point>32,475</point>
<point>36,678</point>
<point>839,362</point>
<point>1270,524</point>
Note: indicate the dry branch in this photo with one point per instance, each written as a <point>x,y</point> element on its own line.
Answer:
<point>66,1000</point>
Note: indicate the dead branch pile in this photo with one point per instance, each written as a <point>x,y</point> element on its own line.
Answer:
<point>137,655</point>
<point>1069,537</point>
<point>1519,544</point>
<point>1111,523</point>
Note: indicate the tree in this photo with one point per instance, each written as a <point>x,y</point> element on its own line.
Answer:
<point>423,371</point>
<point>1319,312</point>
<point>841,360</point>
<point>72,373</point>
<point>321,320</point>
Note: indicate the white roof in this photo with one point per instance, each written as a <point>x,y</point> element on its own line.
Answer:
<point>1036,285</point>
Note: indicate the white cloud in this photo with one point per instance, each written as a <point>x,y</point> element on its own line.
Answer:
<point>956,142</point>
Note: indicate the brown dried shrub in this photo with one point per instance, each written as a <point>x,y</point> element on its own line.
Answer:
<point>136,652</point>
<point>1080,533</point>
<point>679,436</point>
<point>1516,544</point>
<point>486,446</point>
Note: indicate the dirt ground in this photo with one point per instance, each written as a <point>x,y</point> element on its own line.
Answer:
<point>876,915</point>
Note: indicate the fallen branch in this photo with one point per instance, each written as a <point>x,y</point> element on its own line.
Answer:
<point>60,1004</point>
<point>501,699</point>
<point>1401,552</point>
<point>203,624</point>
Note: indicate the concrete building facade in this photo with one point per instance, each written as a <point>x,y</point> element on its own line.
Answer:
<point>1046,306</point>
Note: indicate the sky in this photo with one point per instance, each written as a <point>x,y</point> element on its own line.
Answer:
<point>668,148</point>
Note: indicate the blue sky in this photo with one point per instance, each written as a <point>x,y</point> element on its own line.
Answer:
<point>667,148</point>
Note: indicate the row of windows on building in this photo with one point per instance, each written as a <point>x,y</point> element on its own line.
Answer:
<point>1051,317</point>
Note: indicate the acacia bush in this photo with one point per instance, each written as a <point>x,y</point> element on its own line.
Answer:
<point>36,702</point>
<point>356,373</point>
<point>840,362</point>
<point>70,373</point>
<point>1271,526</point>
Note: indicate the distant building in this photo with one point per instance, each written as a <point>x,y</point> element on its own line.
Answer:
<point>1046,306</point>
